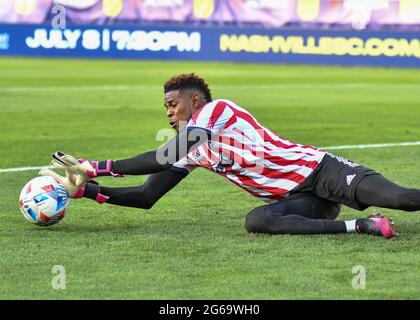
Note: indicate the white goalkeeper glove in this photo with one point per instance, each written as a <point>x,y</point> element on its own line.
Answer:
<point>90,190</point>
<point>85,169</point>
<point>69,182</point>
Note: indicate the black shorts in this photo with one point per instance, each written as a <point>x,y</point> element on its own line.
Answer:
<point>336,179</point>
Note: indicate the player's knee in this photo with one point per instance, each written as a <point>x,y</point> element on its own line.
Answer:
<point>256,220</point>
<point>332,211</point>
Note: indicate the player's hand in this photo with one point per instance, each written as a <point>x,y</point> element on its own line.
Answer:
<point>84,170</point>
<point>69,182</point>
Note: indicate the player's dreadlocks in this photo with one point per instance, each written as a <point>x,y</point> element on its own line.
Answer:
<point>188,81</point>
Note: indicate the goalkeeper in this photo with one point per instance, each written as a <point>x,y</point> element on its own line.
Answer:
<point>303,186</point>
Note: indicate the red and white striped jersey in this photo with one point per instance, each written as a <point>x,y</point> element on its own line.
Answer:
<point>248,154</point>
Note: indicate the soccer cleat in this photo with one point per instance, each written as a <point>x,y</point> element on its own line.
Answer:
<point>376,225</point>
<point>69,182</point>
<point>86,170</point>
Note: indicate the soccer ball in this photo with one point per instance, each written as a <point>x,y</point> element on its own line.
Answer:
<point>44,201</point>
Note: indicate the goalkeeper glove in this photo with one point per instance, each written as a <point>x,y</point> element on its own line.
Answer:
<point>85,169</point>
<point>88,190</point>
<point>69,182</point>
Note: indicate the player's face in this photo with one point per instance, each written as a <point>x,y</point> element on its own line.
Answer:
<point>180,106</point>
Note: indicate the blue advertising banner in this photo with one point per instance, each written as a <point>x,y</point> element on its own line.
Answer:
<point>381,48</point>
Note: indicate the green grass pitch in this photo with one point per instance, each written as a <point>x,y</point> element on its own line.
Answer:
<point>192,244</point>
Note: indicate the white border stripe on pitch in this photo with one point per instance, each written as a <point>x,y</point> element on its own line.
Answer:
<point>356,146</point>
<point>22,169</point>
<point>378,145</point>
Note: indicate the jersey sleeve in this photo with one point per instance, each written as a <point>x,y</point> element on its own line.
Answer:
<point>213,117</point>
<point>184,165</point>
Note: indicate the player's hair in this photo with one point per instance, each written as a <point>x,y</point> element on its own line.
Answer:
<point>188,81</point>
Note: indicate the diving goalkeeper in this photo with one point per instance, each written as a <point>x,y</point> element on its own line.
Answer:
<point>303,186</point>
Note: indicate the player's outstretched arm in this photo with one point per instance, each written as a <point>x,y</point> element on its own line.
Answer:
<point>146,163</point>
<point>143,197</point>
<point>164,157</point>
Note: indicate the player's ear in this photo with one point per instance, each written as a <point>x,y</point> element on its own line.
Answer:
<point>196,100</point>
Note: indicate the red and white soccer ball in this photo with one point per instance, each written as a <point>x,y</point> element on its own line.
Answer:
<point>44,201</point>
